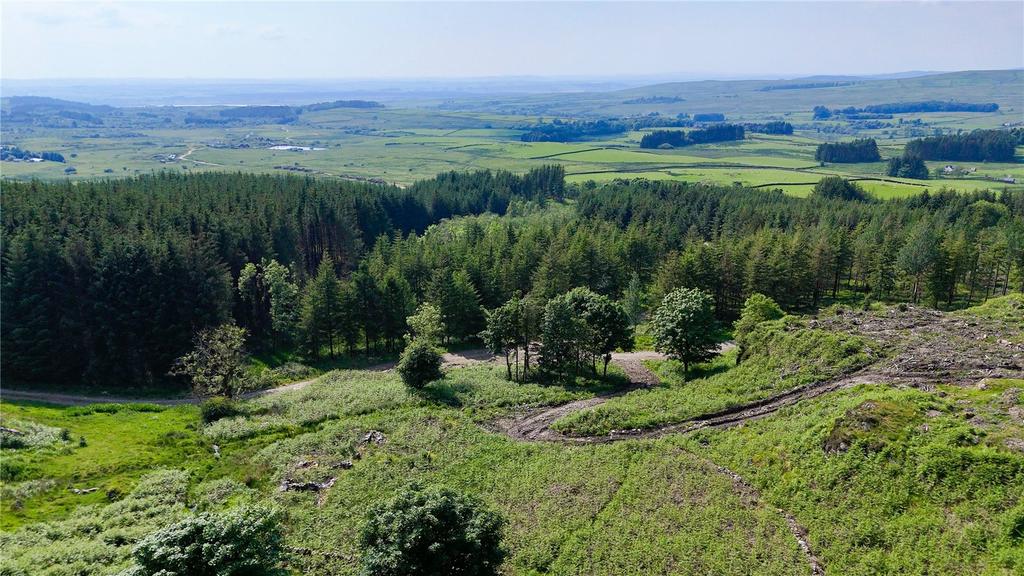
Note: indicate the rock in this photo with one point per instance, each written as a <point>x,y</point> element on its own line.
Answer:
<point>374,437</point>
<point>1015,444</point>
<point>1016,414</point>
<point>287,485</point>
<point>933,414</point>
<point>1010,396</point>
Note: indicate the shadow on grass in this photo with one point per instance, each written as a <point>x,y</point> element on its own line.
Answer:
<point>671,372</point>
<point>446,392</point>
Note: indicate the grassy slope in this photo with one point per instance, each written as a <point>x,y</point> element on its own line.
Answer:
<point>927,486</point>
<point>914,481</point>
<point>622,509</point>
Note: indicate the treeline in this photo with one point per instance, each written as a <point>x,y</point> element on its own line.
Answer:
<point>15,153</point>
<point>679,138</point>
<point>907,167</point>
<point>885,111</point>
<point>931,106</point>
<point>861,150</point>
<point>563,131</point>
<point>776,127</point>
<point>941,248</point>
<point>976,146</point>
<point>560,131</point>
<point>804,86</point>
<point>654,100</point>
<point>849,113</point>
<point>709,117</point>
<point>361,104</point>
<point>110,279</point>
<point>636,241</point>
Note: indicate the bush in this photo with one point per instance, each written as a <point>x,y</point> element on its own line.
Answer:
<point>420,364</point>
<point>758,308</point>
<point>246,540</point>
<point>216,408</point>
<point>431,532</point>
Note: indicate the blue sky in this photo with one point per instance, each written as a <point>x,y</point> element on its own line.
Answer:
<point>270,40</point>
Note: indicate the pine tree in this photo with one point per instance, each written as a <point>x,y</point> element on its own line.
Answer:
<point>320,305</point>
<point>634,300</point>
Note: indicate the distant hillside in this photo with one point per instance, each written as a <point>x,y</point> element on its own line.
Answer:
<point>758,97</point>
<point>42,105</point>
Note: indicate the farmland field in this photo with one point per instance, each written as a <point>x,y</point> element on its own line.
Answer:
<point>402,143</point>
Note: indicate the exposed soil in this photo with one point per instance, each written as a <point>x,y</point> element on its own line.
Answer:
<point>924,346</point>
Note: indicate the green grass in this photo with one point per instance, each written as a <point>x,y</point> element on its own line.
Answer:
<point>122,442</point>
<point>1009,308</point>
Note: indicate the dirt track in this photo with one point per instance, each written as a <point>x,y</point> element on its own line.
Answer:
<point>451,359</point>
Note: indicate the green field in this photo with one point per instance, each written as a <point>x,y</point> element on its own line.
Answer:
<point>405,142</point>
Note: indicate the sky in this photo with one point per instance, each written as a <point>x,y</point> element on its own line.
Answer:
<point>273,40</point>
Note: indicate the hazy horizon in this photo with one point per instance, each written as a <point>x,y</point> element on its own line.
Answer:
<point>268,41</point>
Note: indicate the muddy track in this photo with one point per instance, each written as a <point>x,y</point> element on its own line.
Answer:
<point>536,427</point>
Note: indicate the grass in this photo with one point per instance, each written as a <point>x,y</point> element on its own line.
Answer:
<point>122,442</point>
<point>1009,308</point>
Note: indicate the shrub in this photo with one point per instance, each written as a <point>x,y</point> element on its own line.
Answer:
<point>420,364</point>
<point>246,540</point>
<point>216,408</point>
<point>758,308</point>
<point>431,532</point>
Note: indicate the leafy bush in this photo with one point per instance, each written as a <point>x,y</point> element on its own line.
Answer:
<point>433,531</point>
<point>420,364</point>
<point>243,541</point>
<point>216,408</point>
